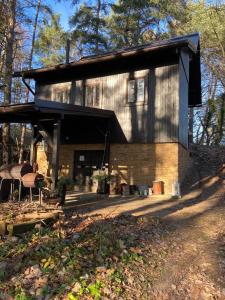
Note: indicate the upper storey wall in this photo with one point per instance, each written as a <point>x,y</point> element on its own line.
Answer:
<point>145,102</point>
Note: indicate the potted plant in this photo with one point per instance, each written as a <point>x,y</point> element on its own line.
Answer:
<point>103,180</point>
<point>63,184</point>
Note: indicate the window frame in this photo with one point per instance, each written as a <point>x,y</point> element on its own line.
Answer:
<point>136,78</point>
<point>93,85</point>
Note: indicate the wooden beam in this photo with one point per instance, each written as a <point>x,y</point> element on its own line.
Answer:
<point>84,92</point>
<point>107,154</point>
<point>33,152</point>
<point>55,153</point>
<point>106,158</point>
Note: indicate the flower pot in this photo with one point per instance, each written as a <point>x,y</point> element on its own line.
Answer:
<point>103,187</point>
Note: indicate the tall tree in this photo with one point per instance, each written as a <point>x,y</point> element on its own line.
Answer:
<point>4,12</point>
<point>51,41</point>
<point>30,60</point>
<point>212,122</point>
<point>89,28</point>
<point>130,21</point>
<point>209,20</point>
<point>11,23</point>
<point>134,22</point>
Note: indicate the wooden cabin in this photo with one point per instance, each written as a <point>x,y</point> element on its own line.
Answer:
<point>127,110</point>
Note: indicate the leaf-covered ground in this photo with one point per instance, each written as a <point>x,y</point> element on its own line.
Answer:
<point>99,250</point>
<point>123,257</point>
<point>91,258</point>
<point>83,256</point>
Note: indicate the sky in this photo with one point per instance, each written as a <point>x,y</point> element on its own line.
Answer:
<point>65,9</point>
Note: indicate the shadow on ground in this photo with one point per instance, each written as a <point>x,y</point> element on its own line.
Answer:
<point>139,248</point>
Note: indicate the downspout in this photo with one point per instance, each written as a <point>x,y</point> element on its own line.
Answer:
<point>27,85</point>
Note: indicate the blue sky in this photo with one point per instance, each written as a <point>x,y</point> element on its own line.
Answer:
<point>65,9</point>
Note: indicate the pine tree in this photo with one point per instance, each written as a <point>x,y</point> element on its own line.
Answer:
<point>30,60</point>
<point>89,28</point>
<point>134,22</point>
<point>51,41</point>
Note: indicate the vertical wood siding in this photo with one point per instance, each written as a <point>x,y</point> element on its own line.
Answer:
<point>183,96</point>
<point>165,104</point>
<point>154,120</point>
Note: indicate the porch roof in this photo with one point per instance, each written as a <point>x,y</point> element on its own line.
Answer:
<point>42,110</point>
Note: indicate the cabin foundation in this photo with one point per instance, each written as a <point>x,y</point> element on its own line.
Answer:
<point>134,163</point>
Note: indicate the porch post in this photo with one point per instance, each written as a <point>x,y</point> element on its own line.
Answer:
<point>55,153</point>
<point>107,154</point>
<point>33,154</point>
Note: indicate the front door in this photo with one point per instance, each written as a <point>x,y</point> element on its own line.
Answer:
<point>85,163</point>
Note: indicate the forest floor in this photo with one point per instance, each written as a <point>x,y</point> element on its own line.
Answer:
<point>176,251</point>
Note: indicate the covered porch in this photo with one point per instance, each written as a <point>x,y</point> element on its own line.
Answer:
<point>61,125</point>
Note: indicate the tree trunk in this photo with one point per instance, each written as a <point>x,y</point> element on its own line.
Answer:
<point>23,129</point>
<point>8,77</point>
<point>97,27</point>
<point>191,120</point>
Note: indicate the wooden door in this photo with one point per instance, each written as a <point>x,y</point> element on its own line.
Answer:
<point>85,162</point>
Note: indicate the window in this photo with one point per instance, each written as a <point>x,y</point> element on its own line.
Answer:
<point>131,91</point>
<point>59,96</point>
<point>93,95</point>
<point>77,93</point>
<point>62,96</point>
<point>136,90</point>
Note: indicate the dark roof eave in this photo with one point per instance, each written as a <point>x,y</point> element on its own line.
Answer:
<point>105,57</point>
